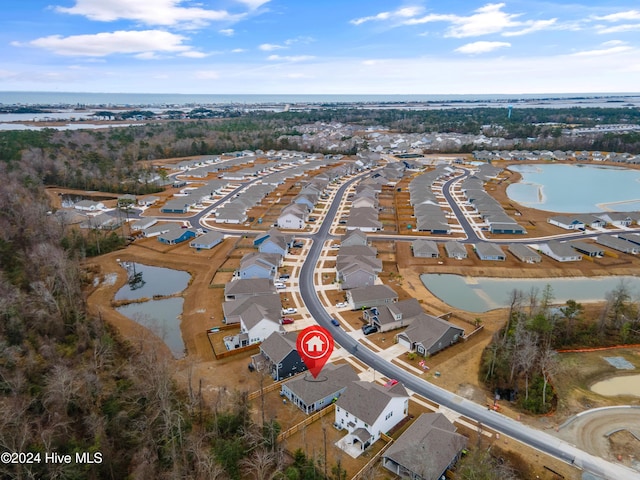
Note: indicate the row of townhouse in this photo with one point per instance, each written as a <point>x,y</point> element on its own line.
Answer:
<point>356,262</point>
<point>559,155</point>
<point>488,208</point>
<point>595,220</point>
<point>429,216</point>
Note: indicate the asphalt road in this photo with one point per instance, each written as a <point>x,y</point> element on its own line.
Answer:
<point>494,420</point>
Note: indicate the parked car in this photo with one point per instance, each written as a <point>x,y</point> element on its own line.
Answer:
<point>391,383</point>
<point>280,285</point>
<point>369,329</point>
<point>284,277</point>
<point>335,322</point>
<point>342,304</point>
<point>289,311</point>
<point>287,320</point>
<point>298,245</point>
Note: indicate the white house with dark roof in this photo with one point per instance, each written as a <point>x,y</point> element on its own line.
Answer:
<point>367,410</point>
<point>617,219</point>
<point>293,216</point>
<point>567,222</point>
<point>88,206</point>
<point>425,450</point>
<point>143,223</point>
<point>562,252</point>
<point>207,241</point>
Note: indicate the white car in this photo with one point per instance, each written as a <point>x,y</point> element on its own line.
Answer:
<point>289,311</point>
<point>342,304</point>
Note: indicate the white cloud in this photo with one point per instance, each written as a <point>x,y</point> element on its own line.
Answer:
<point>290,58</point>
<point>601,29</point>
<point>269,47</point>
<point>238,50</point>
<point>485,20</point>
<point>227,32</point>
<point>600,52</point>
<point>481,47</point>
<point>253,4</point>
<point>149,12</point>
<point>405,12</point>
<point>620,16</point>
<point>193,54</point>
<point>108,43</point>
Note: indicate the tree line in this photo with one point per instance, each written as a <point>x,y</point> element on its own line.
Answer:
<point>521,360</point>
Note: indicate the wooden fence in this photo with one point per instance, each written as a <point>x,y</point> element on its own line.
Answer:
<point>388,442</point>
<point>307,421</point>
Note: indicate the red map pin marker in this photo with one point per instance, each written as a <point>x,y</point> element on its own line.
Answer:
<point>314,346</point>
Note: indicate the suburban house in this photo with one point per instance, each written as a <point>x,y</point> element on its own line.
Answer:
<point>353,237</point>
<point>367,410</point>
<point>231,213</point>
<point>617,219</point>
<point>372,296</point>
<point>455,250</point>
<point>591,221</point>
<point>148,200</point>
<point>207,241</point>
<point>356,274</point>
<point>177,205</point>
<point>88,206</point>
<point>524,253</point>
<point>259,265</point>
<point>489,251</point>
<point>425,248</point>
<point>234,310</point>
<point>240,289</point>
<point>312,394</point>
<point>588,249</point>
<point>562,252</point>
<point>426,450</point>
<point>102,221</point>
<point>176,235</point>
<point>293,216</point>
<point>278,356</point>
<point>364,219</point>
<point>257,322</point>
<point>160,229</point>
<point>143,223</point>
<point>618,244</point>
<point>566,222</point>
<point>274,241</point>
<point>630,237</point>
<point>428,335</point>
<point>394,315</point>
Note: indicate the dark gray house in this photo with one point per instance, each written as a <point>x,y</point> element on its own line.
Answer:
<point>395,315</point>
<point>278,355</point>
<point>426,450</point>
<point>428,335</point>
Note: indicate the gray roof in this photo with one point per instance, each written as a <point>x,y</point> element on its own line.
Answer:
<point>424,247</point>
<point>486,249</point>
<point>208,238</point>
<point>522,251</point>
<point>366,401</point>
<point>427,330</point>
<point>373,292</point>
<point>364,250</point>
<point>331,379</point>
<point>409,309</point>
<point>270,303</point>
<point>352,234</point>
<point>249,286</point>
<point>428,446</point>
<point>175,234</point>
<point>277,346</point>
<point>452,247</point>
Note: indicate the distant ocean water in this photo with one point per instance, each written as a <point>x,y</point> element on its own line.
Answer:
<point>164,99</point>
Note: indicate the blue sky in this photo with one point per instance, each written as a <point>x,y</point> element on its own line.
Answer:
<point>320,46</point>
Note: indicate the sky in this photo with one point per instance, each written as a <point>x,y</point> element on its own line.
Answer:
<point>320,46</point>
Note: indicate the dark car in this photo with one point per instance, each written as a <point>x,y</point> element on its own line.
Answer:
<point>335,322</point>
<point>369,329</point>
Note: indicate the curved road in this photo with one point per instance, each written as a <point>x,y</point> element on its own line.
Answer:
<point>530,436</point>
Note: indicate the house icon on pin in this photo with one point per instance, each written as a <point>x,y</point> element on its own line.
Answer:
<point>315,344</point>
